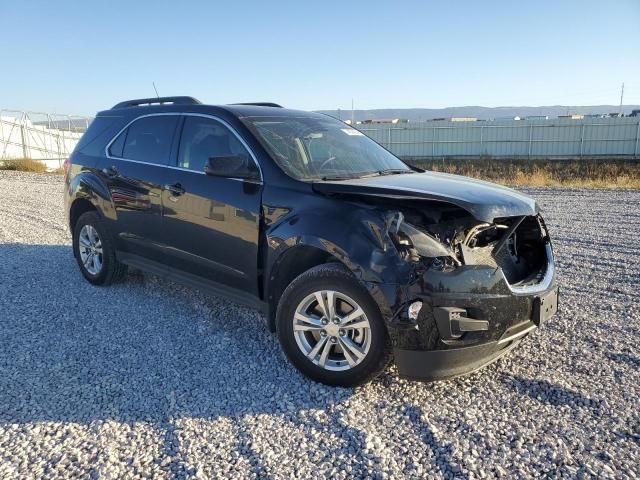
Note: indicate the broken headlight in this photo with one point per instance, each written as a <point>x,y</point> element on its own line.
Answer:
<point>415,245</point>
<point>443,264</point>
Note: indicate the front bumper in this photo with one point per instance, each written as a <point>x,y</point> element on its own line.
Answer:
<point>496,316</point>
<point>442,364</point>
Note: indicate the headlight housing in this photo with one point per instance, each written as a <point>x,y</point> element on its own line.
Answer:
<point>414,244</point>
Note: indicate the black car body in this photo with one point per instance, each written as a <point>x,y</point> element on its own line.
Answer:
<point>459,270</point>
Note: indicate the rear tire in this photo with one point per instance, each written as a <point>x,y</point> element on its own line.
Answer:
<point>342,341</point>
<point>94,251</point>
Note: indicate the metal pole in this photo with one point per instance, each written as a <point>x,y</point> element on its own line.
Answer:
<point>635,150</point>
<point>433,142</point>
<point>423,135</point>
<point>530,139</point>
<point>63,141</point>
<point>389,139</point>
<point>581,139</point>
<point>25,149</point>
<point>481,132</point>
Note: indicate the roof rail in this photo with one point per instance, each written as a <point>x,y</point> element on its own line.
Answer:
<point>260,104</point>
<point>158,101</point>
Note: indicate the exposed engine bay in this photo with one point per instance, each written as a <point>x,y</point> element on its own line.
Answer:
<point>445,237</point>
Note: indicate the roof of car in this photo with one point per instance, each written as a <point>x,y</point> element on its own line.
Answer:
<point>261,111</point>
<point>190,104</point>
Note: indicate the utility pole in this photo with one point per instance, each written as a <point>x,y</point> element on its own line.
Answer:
<point>621,97</point>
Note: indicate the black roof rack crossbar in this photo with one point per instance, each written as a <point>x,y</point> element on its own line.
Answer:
<point>260,104</point>
<point>158,101</point>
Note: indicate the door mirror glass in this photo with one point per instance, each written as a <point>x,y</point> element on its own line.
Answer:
<point>231,166</point>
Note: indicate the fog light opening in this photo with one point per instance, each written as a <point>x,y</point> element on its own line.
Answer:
<point>414,310</point>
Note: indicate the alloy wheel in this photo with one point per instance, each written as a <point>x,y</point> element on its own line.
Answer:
<point>332,330</point>
<point>90,248</point>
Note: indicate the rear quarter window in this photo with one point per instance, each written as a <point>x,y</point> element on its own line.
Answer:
<point>99,133</point>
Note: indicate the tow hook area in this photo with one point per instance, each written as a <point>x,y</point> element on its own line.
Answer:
<point>453,322</point>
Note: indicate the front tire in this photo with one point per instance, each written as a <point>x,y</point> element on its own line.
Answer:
<point>331,329</point>
<point>95,252</point>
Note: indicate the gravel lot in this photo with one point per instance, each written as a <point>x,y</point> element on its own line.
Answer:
<point>148,378</point>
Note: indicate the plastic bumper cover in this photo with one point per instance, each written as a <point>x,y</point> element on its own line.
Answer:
<point>442,364</point>
<point>508,313</point>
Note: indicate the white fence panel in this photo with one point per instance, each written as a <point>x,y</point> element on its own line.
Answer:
<point>553,138</point>
<point>39,136</point>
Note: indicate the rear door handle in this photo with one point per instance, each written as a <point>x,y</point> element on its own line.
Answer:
<point>175,189</point>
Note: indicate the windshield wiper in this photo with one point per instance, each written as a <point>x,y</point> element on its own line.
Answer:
<point>327,178</point>
<point>387,171</point>
<point>393,171</point>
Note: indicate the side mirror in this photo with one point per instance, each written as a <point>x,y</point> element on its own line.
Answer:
<point>232,166</point>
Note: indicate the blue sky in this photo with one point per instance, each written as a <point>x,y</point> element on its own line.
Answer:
<point>80,57</point>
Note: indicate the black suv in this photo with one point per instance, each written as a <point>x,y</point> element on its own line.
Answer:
<point>354,257</point>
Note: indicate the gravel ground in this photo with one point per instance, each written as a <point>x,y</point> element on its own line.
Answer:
<point>148,378</point>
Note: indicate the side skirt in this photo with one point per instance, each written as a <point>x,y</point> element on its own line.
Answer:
<point>195,281</point>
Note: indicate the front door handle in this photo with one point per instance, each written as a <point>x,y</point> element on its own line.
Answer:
<point>175,189</point>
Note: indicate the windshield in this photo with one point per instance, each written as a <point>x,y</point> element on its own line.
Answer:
<point>319,148</point>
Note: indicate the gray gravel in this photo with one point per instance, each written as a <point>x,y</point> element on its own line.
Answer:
<point>148,378</point>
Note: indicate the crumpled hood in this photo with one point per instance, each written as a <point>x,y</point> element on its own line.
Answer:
<point>485,201</point>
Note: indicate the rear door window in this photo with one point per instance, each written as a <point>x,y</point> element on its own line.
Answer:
<point>148,140</point>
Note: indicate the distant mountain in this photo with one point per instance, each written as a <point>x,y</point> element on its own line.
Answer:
<point>483,113</point>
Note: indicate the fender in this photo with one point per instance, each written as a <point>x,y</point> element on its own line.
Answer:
<point>357,239</point>
<point>362,246</point>
<point>89,186</point>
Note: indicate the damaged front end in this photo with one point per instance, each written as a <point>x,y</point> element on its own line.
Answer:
<point>477,287</point>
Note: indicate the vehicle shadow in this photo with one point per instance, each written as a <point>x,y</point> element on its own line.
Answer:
<point>442,454</point>
<point>137,352</point>
<point>551,394</point>
<point>624,358</point>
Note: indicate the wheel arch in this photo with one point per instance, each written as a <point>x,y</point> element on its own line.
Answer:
<point>78,207</point>
<point>88,192</point>
<point>314,237</point>
<point>288,265</point>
